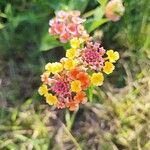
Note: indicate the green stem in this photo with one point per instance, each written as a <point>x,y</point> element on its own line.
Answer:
<point>89,13</point>
<point>72,138</point>
<point>70,119</point>
<point>90,93</point>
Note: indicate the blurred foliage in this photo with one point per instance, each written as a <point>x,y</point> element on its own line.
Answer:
<point>119,118</point>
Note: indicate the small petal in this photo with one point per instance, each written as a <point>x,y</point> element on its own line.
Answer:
<point>75,43</point>
<point>64,37</point>
<point>73,105</point>
<point>71,53</point>
<point>76,86</point>
<point>48,67</point>
<point>51,100</point>
<point>45,77</point>
<point>43,90</point>
<point>97,79</point>
<point>112,56</point>
<point>69,64</point>
<point>80,97</point>
<point>72,28</point>
<point>108,67</point>
<point>56,68</point>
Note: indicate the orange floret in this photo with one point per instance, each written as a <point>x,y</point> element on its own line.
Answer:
<point>80,97</point>
<point>73,105</point>
<point>74,72</point>
<point>84,79</point>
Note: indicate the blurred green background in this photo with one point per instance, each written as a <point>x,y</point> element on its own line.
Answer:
<point>120,117</point>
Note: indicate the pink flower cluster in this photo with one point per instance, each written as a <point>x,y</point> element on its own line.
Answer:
<point>114,10</point>
<point>66,25</point>
<point>91,56</point>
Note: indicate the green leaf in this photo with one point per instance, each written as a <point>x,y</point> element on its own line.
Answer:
<point>48,42</point>
<point>78,4</point>
<point>58,5</point>
<point>3,15</point>
<point>102,2</point>
<point>99,13</point>
<point>88,23</point>
<point>2,26</point>
<point>29,17</point>
<point>54,4</point>
<point>9,11</point>
<point>66,46</point>
<point>96,23</point>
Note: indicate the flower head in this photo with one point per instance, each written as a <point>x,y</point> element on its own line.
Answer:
<point>114,10</point>
<point>60,87</point>
<point>67,25</point>
<point>68,87</point>
<point>92,56</point>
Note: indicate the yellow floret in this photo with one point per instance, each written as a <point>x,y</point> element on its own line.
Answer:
<point>113,56</point>
<point>108,67</point>
<point>69,64</point>
<point>97,79</point>
<point>48,67</point>
<point>43,90</point>
<point>81,40</point>
<point>51,99</point>
<point>56,67</point>
<point>76,86</point>
<point>75,43</point>
<point>71,53</point>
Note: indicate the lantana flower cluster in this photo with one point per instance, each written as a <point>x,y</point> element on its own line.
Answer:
<point>66,25</point>
<point>114,10</point>
<point>65,84</point>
